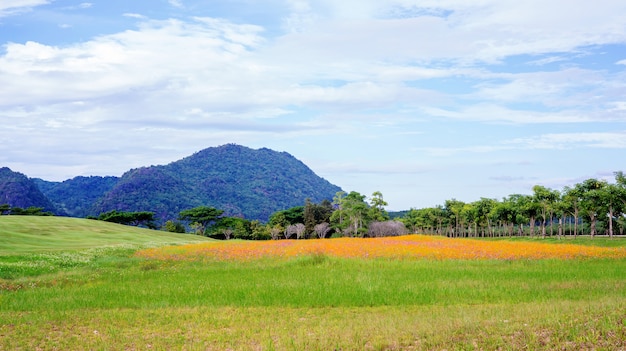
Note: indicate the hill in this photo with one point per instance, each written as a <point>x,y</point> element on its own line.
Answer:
<point>27,234</point>
<point>75,197</point>
<point>19,191</point>
<point>241,181</point>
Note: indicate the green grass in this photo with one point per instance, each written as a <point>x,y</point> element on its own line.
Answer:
<point>103,298</point>
<point>29,234</point>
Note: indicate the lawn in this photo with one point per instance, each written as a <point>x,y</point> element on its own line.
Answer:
<point>125,296</point>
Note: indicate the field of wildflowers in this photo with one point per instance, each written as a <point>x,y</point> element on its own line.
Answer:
<point>401,247</point>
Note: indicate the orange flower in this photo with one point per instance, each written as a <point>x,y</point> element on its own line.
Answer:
<point>401,247</point>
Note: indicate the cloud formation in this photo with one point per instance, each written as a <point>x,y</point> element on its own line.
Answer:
<point>350,87</point>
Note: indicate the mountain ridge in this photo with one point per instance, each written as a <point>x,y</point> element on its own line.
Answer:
<point>243,182</point>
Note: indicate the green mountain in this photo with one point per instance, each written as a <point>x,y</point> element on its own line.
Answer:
<point>241,181</point>
<point>18,190</point>
<point>75,197</point>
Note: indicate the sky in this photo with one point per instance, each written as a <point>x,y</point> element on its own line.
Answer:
<point>421,100</point>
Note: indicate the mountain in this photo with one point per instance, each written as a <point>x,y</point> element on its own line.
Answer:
<point>18,190</point>
<point>75,197</point>
<point>241,181</point>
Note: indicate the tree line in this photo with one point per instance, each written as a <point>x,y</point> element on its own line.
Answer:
<point>591,207</point>
<point>6,209</point>
<point>349,214</point>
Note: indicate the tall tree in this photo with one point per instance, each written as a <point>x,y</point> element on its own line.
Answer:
<point>572,198</point>
<point>377,207</point>
<point>356,210</point>
<point>454,208</point>
<point>202,216</point>
<point>592,201</point>
<point>546,198</point>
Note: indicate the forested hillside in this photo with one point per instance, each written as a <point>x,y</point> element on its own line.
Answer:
<point>18,190</point>
<point>241,181</point>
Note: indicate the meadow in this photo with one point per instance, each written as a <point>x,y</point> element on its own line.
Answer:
<point>87,285</point>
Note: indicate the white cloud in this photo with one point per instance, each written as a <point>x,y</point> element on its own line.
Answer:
<point>11,7</point>
<point>603,140</point>
<point>176,3</point>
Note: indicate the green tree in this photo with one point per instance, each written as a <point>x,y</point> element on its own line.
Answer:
<point>129,218</point>
<point>592,201</point>
<point>377,207</point>
<point>572,199</point>
<point>5,209</point>
<point>356,210</point>
<point>174,227</point>
<point>29,211</point>
<point>454,208</point>
<point>546,198</point>
<point>412,220</point>
<point>230,227</point>
<point>613,196</point>
<point>201,216</point>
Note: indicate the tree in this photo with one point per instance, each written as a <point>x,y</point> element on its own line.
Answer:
<point>229,227</point>
<point>377,207</point>
<point>316,213</point>
<point>202,216</point>
<point>592,201</point>
<point>356,210</point>
<point>412,220</point>
<point>483,209</point>
<point>454,208</point>
<point>295,229</point>
<point>572,198</point>
<point>613,196</point>
<point>289,216</point>
<point>387,228</point>
<point>129,218</point>
<point>338,214</point>
<point>174,227</point>
<point>275,231</point>
<point>29,211</point>
<point>546,198</point>
<point>322,230</point>
<point>4,209</point>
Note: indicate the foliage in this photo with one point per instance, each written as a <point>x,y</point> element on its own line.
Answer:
<point>174,227</point>
<point>30,211</point>
<point>75,197</point>
<point>129,218</point>
<point>592,207</point>
<point>202,216</point>
<point>243,182</point>
<point>20,192</point>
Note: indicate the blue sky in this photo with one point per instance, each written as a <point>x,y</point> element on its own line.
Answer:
<point>421,100</point>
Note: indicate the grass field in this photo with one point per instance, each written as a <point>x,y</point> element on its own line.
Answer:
<point>101,293</point>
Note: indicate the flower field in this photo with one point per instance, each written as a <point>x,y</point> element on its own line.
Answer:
<point>402,247</point>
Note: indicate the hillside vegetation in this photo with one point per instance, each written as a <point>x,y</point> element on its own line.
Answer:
<point>241,181</point>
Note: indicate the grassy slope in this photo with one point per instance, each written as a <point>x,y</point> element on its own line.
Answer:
<point>30,234</point>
